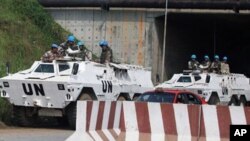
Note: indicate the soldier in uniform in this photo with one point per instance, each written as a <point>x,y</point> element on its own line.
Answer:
<point>225,66</point>
<point>52,54</point>
<point>70,43</point>
<point>106,55</point>
<point>193,64</point>
<point>206,64</point>
<point>85,54</point>
<point>216,65</point>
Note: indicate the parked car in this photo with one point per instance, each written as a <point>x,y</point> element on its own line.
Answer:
<point>171,96</point>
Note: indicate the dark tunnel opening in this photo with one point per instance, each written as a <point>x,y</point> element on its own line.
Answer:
<point>201,34</point>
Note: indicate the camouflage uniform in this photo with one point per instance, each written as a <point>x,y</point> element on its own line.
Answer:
<point>64,46</point>
<point>206,65</point>
<point>225,68</point>
<point>106,55</point>
<point>85,55</point>
<point>49,56</point>
<point>193,65</point>
<point>216,66</point>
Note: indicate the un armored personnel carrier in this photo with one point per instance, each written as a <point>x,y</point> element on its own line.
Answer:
<point>230,89</point>
<point>52,89</point>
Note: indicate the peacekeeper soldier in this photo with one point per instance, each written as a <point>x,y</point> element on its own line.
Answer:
<point>70,43</point>
<point>206,64</point>
<point>193,64</point>
<point>225,66</point>
<point>52,54</point>
<point>106,55</point>
<point>85,54</point>
<point>216,65</point>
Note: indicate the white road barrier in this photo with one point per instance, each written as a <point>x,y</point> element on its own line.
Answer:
<point>139,121</point>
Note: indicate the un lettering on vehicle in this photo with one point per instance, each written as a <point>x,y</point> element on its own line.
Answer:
<point>107,86</point>
<point>31,89</point>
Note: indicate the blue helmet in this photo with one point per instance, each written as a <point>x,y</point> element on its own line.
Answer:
<point>71,38</point>
<point>80,43</point>
<point>54,46</point>
<point>103,43</point>
<point>225,58</point>
<point>216,57</point>
<point>206,57</point>
<point>193,56</point>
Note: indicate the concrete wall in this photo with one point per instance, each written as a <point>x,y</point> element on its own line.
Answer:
<point>136,35</point>
<point>132,33</point>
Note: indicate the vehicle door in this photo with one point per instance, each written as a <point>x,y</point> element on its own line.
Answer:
<point>192,99</point>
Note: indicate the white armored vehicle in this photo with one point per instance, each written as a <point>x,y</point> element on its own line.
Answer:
<point>52,89</point>
<point>231,89</point>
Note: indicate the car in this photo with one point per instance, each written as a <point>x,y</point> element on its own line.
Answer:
<point>171,96</point>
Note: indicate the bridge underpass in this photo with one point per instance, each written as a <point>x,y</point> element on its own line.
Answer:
<point>204,33</point>
<point>136,35</point>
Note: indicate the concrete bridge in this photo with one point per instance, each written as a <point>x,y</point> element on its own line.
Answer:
<point>135,30</point>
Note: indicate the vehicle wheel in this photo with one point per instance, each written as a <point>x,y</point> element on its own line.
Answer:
<point>71,111</point>
<point>135,97</point>
<point>21,118</point>
<point>85,96</point>
<point>121,98</point>
<point>243,101</point>
<point>214,100</point>
<point>233,102</point>
<point>62,121</point>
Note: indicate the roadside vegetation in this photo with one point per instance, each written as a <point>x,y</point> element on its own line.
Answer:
<point>26,32</point>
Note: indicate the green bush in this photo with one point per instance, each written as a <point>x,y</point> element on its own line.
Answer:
<point>26,32</point>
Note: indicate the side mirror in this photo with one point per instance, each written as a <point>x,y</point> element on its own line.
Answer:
<point>75,68</point>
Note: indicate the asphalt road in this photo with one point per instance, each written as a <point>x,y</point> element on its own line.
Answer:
<point>34,134</point>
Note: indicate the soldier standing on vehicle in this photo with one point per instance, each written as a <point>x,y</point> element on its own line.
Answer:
<point>106,55</point>
<point>216,65</point>
<point>206,64</point>
<point>225,66</point>
<point>52,54</point>
<point>193,64</point>
<point>85,54</point>
<point>70,43</point>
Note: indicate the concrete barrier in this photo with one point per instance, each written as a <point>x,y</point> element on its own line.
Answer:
<point>216,120</point>
<point>159,122</point>
<point>97,120</point>
<point>137,121</point>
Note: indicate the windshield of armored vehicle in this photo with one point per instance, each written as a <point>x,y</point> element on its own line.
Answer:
<point>185,79</point>
<point>63,67</point>
<point>45,68</point>
<point>197,77</point>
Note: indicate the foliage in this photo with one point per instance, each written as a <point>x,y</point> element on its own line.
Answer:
<point>26,32</point>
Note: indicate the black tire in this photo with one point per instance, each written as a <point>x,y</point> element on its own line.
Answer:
<point>214,100</point>
<point>71,110</point>
<point>135,97</point>
<point>62,121</point>
<point>121,98</point>
<point>233,102</point>
<point>243,101</point>
<point>21,118</point>
<point>71,115</point>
